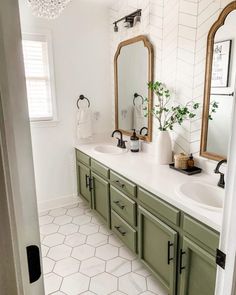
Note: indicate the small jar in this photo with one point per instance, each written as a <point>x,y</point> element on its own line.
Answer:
<point>181,161</point>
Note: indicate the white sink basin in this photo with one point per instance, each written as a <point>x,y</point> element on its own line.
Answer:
<point>109,149</point>
<point>202,194</point>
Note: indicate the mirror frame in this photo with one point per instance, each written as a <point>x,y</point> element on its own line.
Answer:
<point>149,46</point>
<point>207,88</point>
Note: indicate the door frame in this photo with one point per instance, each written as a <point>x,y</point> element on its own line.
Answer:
<point>226,279</point>
<point>16,154</point>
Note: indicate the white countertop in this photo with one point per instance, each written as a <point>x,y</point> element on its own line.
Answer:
<point>157,179</point>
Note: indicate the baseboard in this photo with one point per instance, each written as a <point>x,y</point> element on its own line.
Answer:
<point>57,203</point>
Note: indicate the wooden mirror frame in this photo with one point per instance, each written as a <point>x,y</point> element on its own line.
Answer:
<point>207,89</point>
<point>149,46</point>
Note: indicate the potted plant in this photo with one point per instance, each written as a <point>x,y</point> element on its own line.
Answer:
<point>169,114</point>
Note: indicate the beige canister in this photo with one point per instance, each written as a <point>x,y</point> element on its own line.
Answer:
<point>181,161</point>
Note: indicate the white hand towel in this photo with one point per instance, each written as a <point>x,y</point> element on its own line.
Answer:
<point>138,117</point>
<point>84,123</point>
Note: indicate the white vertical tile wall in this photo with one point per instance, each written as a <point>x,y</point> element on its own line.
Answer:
<point>178,31</point>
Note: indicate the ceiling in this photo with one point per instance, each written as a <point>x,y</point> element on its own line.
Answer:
<point>104,2</point>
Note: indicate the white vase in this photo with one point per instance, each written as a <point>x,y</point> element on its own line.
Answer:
<point>163,151</point>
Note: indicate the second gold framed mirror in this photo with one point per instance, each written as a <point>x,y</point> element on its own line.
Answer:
<point>219,85</point>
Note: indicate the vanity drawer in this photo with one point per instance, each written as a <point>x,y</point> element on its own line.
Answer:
<point>124,231</point>
<point>201,232</point>
<point>123,205</point>
<point>162,208</point>
<point>82,157</point>
<point>123,184</point>
<point>99,168</point>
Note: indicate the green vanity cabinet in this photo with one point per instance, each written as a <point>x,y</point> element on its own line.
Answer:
<point>100,196</point>
<point>83,179</point>
<point>178,249</point>
<point>158,248</point>
<point>197,270</point>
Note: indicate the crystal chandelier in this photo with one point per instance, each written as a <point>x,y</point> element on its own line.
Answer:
<point>49,9</point>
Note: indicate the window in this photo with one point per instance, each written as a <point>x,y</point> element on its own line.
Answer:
<point>39,82</point>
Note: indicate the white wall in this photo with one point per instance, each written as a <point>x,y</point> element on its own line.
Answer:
<point>178,30</point>
<point>81,60</point>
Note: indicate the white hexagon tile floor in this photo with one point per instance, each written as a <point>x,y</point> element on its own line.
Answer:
<point>82,256</point>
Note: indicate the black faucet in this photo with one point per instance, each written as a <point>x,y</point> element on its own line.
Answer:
<point>121,142</point>
<point>221,182</point>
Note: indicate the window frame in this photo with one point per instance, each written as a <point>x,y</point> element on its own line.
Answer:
<point>45,36</point>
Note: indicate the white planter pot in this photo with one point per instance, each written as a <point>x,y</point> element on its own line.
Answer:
<point>163,155</point>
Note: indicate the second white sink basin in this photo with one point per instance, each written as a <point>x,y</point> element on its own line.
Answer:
<point>109,149</point>
<point>204,195</point>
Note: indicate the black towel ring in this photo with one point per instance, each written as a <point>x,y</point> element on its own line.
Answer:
<point>136,95</point>
<point>141,131</point>
<point>82,97</point>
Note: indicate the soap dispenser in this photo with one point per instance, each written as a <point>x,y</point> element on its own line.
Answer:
<point>191,161</point>
<point>134,142</point>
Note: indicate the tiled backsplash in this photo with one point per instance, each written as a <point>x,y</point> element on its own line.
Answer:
<point>178,31</point>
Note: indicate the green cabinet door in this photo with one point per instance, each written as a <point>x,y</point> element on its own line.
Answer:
<point>101,201</point>
<point>158,248</point>
<point>197,270</point>
<point>83,179</point>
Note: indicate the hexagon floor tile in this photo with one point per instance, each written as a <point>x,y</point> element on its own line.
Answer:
<point>93,266</point>
<point>118,266</point>
<point>103,284</point>
<point>75,240</point>
<point>75,284</point>
<point>53,240</point>
<point>66,266</point>
<point>82,256</point>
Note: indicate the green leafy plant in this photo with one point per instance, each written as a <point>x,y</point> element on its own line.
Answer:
<point>167,113</point>
<point>213,107</point>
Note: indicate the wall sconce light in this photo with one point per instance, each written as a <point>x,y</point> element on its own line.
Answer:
<point>128,23</point>
<point>116,29</point>
<point>129,20</point>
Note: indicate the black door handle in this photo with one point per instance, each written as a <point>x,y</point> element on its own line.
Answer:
<point>34,267</point>
<point>90,183</point>
<point>181,267</point>
<point>87,180</point>
<point>168,252</point>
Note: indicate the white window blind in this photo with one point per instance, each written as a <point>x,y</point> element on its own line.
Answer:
<point>38,81</point>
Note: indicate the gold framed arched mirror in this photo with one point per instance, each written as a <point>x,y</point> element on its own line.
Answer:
<point>220,77</point>
<point>133,66</point>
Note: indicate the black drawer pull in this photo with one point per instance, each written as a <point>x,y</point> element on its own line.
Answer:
<point>119,205</point>
<point>168,252</point>
<point>87,180</point>
<point>123,233</point>
<point>181,267</point>
<point>120,184</point>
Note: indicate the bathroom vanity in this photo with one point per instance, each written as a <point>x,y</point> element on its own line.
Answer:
<point>176,240</point>
<point>170,220</point>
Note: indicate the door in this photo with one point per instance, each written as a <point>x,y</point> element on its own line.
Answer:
<point>83,181</point>
<point>101,201</point>
<point>158,248</point>
<point>197,270</point>
<point>17,171</point>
